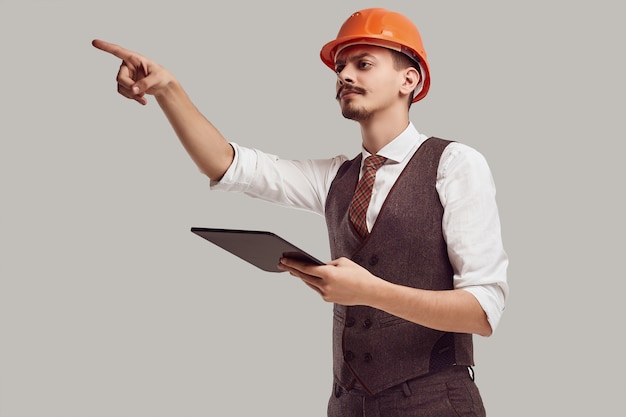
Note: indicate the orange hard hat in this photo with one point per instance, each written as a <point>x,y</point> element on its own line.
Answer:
<point>381,27</point>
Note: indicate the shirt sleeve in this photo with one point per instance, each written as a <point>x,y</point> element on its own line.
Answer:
<point>301,184</point>
<point>471,226</point>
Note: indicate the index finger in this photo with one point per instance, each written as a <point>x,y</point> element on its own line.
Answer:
<point>116,50</point>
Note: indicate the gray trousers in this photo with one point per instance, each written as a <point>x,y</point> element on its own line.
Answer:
<point>447,393</point>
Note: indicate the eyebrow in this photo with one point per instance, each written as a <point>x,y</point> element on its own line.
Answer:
<point>354,58</point>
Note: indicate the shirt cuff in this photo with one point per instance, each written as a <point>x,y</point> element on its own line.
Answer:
<point>491,299</point>
<point>238,175</point>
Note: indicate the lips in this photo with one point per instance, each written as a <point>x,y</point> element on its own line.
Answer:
<point>347,93</point>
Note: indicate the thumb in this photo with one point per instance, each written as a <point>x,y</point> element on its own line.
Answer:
<point>142,78</point>
<point>139,94</point>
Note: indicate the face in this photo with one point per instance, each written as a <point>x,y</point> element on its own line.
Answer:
<point>367,81</point>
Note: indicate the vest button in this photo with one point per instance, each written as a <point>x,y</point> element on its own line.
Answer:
<point>373,260</point>
<point>367,323</point>
<point>367,357</point>
<point>350,322</point>
<point>348,356</point>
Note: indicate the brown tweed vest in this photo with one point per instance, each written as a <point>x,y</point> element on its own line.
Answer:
<point>406,247</point>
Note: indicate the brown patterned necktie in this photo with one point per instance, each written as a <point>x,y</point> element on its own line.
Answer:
<point>363,193</point>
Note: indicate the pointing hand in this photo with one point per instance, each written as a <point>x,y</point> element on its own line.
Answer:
<point>137,75</point>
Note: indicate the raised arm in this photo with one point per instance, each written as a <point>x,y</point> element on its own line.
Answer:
<point>139,76</point>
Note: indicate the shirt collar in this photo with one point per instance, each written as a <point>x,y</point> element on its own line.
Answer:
<point>400,148</point>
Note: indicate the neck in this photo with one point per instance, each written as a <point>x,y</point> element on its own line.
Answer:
<point>382,129</point>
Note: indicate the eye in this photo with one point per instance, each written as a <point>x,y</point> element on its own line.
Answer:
<point>339,68</point>
<point>364,64</point>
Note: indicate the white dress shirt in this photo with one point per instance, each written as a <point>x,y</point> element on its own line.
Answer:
<point>471,223</point>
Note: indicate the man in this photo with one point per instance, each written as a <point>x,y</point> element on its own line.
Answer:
<point>418,264</point>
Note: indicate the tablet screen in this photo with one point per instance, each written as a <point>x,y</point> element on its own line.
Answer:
<point>260,248</point>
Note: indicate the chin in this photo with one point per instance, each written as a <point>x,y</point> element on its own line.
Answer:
<point>355,113</point>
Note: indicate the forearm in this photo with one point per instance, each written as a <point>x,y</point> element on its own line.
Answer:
<point>343,282</point>
<point>451,310</point>
<point>203,142</point>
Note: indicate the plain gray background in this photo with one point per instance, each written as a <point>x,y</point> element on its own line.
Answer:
<point>110,306</point>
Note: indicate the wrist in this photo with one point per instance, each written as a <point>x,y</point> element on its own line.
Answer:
<point>169,89</point>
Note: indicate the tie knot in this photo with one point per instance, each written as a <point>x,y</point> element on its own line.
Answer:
<point>374,162</point>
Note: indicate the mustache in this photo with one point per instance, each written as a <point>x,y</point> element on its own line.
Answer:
<point>349,88</point>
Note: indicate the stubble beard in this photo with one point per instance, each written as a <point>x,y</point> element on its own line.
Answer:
<point>356,113</point>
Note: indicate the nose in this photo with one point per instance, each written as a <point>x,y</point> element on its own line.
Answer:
<point>344,76</point>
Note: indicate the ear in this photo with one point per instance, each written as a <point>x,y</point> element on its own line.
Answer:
<point>410,81</point>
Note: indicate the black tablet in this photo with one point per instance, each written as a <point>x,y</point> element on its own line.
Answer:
<point>261,249</point>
